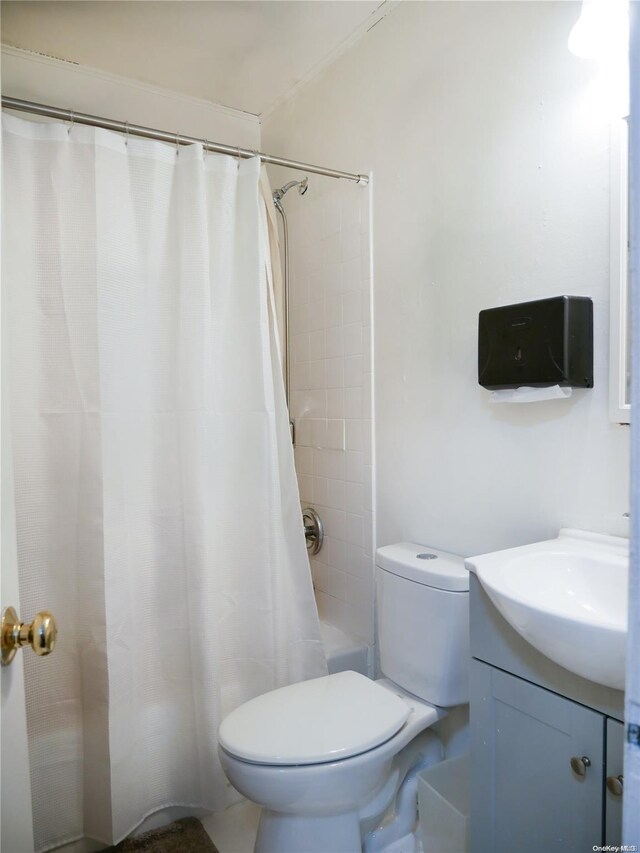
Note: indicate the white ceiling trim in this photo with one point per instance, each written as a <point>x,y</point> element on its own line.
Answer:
<point>360,31</point>
<point>96,73</point>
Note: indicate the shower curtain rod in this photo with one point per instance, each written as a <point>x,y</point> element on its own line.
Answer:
<point>177,138</point>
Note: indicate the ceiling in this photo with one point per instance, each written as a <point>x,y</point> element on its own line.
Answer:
<point>243,54</point>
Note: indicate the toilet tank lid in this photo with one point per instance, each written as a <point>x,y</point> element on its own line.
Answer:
<point>424,565</point>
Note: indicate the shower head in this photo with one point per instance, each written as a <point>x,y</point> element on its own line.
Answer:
<point>302,185</point>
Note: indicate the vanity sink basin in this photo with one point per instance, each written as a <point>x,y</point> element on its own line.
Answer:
<point>567,597</point>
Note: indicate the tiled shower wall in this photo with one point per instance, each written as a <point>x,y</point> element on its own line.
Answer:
<point>331,382</point>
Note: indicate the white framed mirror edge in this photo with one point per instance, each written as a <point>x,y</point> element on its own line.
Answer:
<point>619,406</point>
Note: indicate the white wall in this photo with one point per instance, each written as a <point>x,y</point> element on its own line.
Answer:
<point>489,146</point>
<point>34,77</point>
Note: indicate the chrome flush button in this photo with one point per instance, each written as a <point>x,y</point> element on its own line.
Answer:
<point>426,556</point>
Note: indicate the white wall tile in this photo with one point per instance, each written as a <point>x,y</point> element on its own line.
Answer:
<point>316,374</point>
<point>367,438</point>
<point>367,402</point>
<point>338,584</point>
<point>334,372</point>
<point>309,403</point>
<point>320,575</point>
<point>331,396</point>
<point>319,432</point>
<point>366,349</point>
<point>303,432</point>
<point>303,459</point>
<point>334,345</point>
<point>352,341</point>
<point>299,295</point>
<point>300,376</point>
<point>337,494</point>
<point>354,435</point>
<point>316,345</point>
<point>335,610</point>
<point>316,286</point>
<point>359,619</point>
<point>315,315</point>
<point>354,466</point>
<point>352,307</point>
<point>305,485</point>
<point>352,274</point>
<point>333,280</point>
<point>354,529</point>
<point>350,212</point>
<point>299,319</point>
<point>300,347</point>
<point>335,464</point>
<point>336,403</point>
<point>358,589</point>
<point>331,249</point>
<point>334,523</point>
<point>349,245</point>
<point>353,402</point>
<point>321,491</point>
<point>333,311</point>
<point>323,604</point>
<point>337,554</point>
<point>357,562</point>
<point>354,498</point>
<point>368,534</point>
<point>353,371</point>
<point>331,218</point>
<point>367,493</point>
<point>335,434</point>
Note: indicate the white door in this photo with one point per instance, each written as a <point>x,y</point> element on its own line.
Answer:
<point>16,823</point>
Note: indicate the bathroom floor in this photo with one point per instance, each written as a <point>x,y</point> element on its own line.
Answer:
<point>182,836</point>
<point>234,831</point>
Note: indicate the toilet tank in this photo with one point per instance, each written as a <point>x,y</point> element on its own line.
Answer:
<point>422,612</point>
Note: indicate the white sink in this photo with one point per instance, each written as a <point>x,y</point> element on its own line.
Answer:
<point>567,597</point>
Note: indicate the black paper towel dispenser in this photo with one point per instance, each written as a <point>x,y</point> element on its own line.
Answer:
<point>546,342</point>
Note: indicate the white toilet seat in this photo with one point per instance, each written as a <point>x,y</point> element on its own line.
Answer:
<point>314,722</point>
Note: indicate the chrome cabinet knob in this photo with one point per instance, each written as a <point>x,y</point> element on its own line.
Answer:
<point>579,765</point>
<point>614,785</point>
<point>40,634</point>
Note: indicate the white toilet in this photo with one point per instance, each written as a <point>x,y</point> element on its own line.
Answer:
<point>325,757</point>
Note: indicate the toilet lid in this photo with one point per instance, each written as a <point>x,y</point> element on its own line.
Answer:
<point>314,721</point>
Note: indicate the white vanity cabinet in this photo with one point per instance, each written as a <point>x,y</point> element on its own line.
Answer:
<point>546,747</point>
<point>613,772</point>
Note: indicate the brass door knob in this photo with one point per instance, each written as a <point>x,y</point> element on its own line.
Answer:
<point>40,634</point>
<point>614,785</point>
<point>579,765</point>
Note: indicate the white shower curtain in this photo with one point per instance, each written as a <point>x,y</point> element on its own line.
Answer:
<point>158,512</point>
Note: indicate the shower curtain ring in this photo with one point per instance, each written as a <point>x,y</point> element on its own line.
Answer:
<point>72,118</point>
<point>177,144</point>
<point>126,133</point>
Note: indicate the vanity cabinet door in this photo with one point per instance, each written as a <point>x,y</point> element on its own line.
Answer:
<point>525,795</point>
<point>613,790</point>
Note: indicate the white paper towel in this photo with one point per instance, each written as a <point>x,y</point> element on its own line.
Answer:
<point>525,394</point>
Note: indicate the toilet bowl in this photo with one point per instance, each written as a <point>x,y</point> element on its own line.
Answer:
<point>325,757</point>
